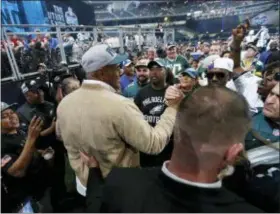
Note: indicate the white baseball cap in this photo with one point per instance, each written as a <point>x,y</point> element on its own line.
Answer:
<point>99,56</point>
<point>209,60</point>
<point>224,63</point>
<point>142,63</point>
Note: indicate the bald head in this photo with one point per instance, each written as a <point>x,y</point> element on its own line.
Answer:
<point>69,85</point>
<point>212,115</point>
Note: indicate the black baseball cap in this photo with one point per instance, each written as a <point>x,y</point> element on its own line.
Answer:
<point>31,85</point>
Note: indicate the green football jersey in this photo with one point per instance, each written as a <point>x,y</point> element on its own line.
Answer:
<point>177,65</point>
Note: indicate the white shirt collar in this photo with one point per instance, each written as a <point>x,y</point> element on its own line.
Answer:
<point>103,84</point>
<point>169,174</point>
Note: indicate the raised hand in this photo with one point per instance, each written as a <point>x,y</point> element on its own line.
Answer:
<point>240,32</point>
<point>173,95</point>
<point>34,128</point>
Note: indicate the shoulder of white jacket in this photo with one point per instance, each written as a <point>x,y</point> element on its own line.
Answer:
<point>128,103</point>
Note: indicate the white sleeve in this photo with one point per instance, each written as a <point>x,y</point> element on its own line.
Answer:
<point>230,85</point>
<point>247,85</point>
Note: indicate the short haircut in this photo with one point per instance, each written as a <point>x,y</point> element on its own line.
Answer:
<point>212,115</point>
<point>152,49</point>
<point>69,85</point>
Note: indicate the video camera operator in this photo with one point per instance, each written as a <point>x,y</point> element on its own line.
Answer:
<point>48,79</point>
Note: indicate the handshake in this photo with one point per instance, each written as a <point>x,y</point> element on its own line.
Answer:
<point>174,96</point>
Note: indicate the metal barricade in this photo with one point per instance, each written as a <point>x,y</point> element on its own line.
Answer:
<point>51,44</point>
<point>150,37</point>
<point>8,70</point>
<point>169,36</point>
<point>35,44</point>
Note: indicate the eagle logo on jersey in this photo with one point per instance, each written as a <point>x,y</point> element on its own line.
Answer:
<point>157,109</point>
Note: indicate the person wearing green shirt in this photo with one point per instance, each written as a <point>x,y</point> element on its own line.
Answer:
<point>142,74</point>
<point>176,62</point>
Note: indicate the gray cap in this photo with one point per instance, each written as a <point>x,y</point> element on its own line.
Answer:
<point>99,56</point>
<point>5,106</point>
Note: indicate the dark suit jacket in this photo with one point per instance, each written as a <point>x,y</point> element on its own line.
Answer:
<point>151,191</point>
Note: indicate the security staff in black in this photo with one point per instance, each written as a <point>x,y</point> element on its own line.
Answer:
<point>150,101</point>
<point>36,105</point>
<point>24,171</point>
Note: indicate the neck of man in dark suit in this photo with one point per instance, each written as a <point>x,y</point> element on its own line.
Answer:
<point>205,142</point>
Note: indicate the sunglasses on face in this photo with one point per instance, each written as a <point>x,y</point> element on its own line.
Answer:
<point>219,75</point>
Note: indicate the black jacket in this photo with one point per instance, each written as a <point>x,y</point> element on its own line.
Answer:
<point>16,190</point>
<point>151,191</point>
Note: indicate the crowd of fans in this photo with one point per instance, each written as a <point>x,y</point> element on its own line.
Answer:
<point>29,51</point>
<point>179,128</point>
<point>208,9</point>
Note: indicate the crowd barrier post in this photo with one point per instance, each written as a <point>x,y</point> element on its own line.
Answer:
<point>173,35</point>
<point>60,43</point>
<point>95,35</point>
<point>165,37</point>
<point>139,38</point>
<point>121,40</point>
<point>11,57</point>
